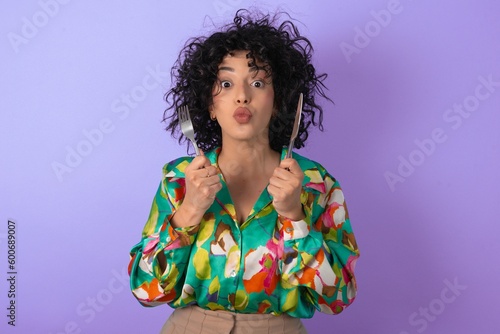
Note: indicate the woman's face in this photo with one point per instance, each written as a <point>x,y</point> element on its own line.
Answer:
<point>243,99</point>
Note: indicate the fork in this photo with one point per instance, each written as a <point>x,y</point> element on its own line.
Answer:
<point>187,126</point>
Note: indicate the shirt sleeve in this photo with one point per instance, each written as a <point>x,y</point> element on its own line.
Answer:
<point>319,253</point>
<point>159,261</point>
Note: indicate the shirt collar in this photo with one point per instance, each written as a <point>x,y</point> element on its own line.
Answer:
<point>313,172</point>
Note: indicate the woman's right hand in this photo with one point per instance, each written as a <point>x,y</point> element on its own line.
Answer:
<point>202,184</point>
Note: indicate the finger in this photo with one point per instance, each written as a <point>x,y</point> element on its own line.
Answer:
<point>289,176</point>
<point>291,165</point>
<point>207,173</point>
<point>206,161</point>
<point>282,186</point>
<point>216,187</point>
<point>276,193</point>
<point>198,162</point>
<point>211,190</point>
<point>211,171</point>
<point>272,190</point>
<point>283,174</point>
<point>277,182</point>
<point>212,180</point>
<point>287,183</point>
<point>201,175</point>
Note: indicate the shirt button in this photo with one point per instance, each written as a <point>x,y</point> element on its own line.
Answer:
<point>230,307</point>
<point>233,273</point>
<point>288,229</point>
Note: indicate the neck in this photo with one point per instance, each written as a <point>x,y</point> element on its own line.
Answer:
<point>243,158</point>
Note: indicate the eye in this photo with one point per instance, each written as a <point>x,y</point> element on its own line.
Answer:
<point>225,84</point>
<point>258,83</point>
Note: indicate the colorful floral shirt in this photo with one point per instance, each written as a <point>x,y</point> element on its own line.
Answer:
<point>267,264</point>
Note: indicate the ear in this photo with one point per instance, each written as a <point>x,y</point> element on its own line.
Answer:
<point>212,113</point>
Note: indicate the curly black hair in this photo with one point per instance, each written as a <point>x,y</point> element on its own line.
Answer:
<point>287,58</point>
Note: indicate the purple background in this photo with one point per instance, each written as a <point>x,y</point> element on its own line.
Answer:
<point>67,67</point>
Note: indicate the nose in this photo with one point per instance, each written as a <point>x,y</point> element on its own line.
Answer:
<point>242,95</point>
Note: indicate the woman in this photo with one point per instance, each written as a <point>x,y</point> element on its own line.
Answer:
<point>241,239</point>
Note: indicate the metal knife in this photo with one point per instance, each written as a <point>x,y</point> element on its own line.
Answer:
<point>296,124</point>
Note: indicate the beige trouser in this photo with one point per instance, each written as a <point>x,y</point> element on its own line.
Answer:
<point>195,320</point>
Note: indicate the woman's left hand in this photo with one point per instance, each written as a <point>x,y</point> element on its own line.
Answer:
<point>285,187</point>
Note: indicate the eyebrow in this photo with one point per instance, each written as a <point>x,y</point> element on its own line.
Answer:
<point>226,68</point>
<point>230,69</point>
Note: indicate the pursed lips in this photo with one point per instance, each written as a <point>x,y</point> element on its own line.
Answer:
<point>242,115</point>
